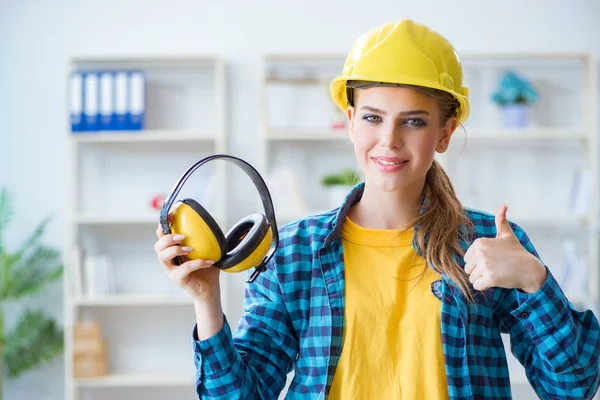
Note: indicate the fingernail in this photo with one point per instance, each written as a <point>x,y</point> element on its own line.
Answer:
<point>209,262</point>
<point>186,249</point>
<point>178,237</point>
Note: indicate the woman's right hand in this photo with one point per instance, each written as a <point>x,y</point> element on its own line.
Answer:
<point>197,277</point>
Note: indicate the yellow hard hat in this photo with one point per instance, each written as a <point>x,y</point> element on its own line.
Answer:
<point>406,53</point>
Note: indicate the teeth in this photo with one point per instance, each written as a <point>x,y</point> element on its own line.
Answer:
<point>382,162</point>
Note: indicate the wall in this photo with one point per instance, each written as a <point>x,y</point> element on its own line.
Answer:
<point>37,37</point>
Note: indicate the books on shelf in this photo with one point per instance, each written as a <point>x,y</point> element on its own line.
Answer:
<point>92,275</point>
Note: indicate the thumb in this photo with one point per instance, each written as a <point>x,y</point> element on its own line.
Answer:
<point>503,229</point>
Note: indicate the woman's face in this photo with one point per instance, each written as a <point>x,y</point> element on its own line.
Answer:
<point>396,132</point>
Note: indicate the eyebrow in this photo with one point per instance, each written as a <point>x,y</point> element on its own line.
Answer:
<point>406,113</point>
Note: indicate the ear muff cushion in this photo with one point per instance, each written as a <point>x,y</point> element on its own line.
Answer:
<point>201,231</point>
<point>256,257</point>
<point>243,241</point>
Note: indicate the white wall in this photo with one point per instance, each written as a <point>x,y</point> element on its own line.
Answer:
<point>37,37</point>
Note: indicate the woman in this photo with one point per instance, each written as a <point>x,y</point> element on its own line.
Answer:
<point>401,293</point>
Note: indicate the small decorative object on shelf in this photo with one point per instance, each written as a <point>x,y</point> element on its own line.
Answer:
<point>338,125</point>
<point>157,201</point>
<point>338,185</point>
<point>89,350</point>
<point>515,95</point>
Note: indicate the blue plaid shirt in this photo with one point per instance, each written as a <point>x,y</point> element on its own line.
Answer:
<point>294,319</point>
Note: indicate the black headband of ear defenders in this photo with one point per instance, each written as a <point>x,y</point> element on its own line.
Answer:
<point>261,187</point>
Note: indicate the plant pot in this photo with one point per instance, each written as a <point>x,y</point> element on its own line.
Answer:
<point>515,115</point>
<point>336,194</point>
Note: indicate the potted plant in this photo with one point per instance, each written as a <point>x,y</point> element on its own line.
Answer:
<point>338,185</point>
<point>36,337</point>
<point>515,95</point>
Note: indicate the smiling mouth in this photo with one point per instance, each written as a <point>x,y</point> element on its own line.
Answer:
<point>389,161</point>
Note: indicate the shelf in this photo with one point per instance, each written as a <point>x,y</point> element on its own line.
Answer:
<point>133,300</point>
<point>296,81</point>
<point>542,56</point>
<point>147,61</point>
<point>342,134</point>
<point>120,221</point>
<point>274,57</point>
<point>129,380</point>
<point>522,134</point>
<point>144,136</point>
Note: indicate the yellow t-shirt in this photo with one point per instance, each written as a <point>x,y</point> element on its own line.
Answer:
<point>392,343</point>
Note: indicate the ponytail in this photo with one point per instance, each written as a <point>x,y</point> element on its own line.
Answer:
<point>440,225</point>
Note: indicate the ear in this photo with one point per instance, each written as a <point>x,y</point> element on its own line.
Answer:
<point>446,134</point>
<point>350,114</point>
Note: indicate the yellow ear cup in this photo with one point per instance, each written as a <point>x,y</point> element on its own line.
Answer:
<point>256,256</point>
<point>201,232</point>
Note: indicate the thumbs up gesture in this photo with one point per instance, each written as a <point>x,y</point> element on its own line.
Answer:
<point>502,261</point>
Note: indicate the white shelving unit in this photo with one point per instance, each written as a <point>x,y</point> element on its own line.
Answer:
<point>532,168</point>
<point>146,320</point>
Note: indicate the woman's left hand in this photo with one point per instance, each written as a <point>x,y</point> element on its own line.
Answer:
<point>502,261</point>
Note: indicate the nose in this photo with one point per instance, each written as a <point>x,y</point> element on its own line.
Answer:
<point>391,137</point>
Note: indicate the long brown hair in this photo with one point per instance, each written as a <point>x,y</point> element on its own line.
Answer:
<point>441,222</point>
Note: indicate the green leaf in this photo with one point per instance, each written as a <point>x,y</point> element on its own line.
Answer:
<point>36,268</point>
<point>32,240</point>
<point>6,209</point>
<point>6,214</point>
<point>36,339</point>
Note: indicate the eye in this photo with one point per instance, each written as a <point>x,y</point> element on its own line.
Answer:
<point>371,118</point>
<point>415,122</point>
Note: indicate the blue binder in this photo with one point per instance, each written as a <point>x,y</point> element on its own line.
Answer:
<point>91,108</point>
<point>76,102</point>
<point>121,109</point>
<point>137,100</point>
<point>106,101</point>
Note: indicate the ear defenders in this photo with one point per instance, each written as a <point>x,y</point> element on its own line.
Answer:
<point>251,242</point>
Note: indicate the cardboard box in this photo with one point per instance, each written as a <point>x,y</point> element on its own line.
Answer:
<point>89,367</point>
<point>86,329</point>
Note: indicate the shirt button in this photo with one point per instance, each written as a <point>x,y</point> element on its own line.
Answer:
<point>524,315</point>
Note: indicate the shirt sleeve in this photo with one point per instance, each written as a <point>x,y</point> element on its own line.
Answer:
<point>253,362</point>
<point>558,345</point>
